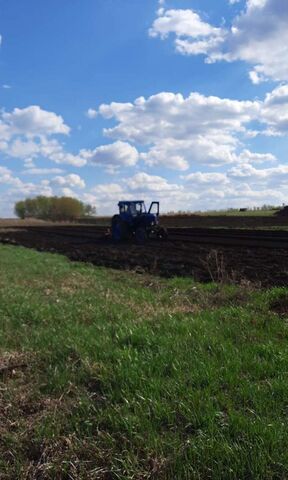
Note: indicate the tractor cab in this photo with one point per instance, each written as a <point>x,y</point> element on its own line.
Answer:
<point>134,220</point>
<point>134,208</point>
<point>137,208</point>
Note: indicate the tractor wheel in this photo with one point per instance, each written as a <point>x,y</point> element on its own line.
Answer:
<point>119,229</point>
<point>141,236</point>
<point>162,233</point>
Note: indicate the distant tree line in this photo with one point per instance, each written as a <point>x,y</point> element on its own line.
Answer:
<point>263,208</point>
<point>53,208</point>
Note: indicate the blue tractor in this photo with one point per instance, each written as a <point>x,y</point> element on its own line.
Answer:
<point>134,221</point>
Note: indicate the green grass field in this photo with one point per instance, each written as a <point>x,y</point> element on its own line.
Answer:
<point>237,213</point>
<point>113,375</point>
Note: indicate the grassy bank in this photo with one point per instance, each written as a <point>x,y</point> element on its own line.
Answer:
<point>113,375</point>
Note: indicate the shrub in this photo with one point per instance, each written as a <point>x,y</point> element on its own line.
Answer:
<point>53,208</point>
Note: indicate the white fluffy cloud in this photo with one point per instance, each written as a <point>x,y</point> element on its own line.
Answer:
<point>113,155</point>
<point>42,171</point>
<point>253,158</point>
<point>268,176</point>
<point>258,36</point>
<point>16,189</point>
<point>182,23</point>
<point>243,185</point>
<point>177,132</point>
<point>147,120</point>
<point>42,147</point>
<point>168,130</point>
<point>144,182</point>
<point>275,110</point>
<point>91,113</point>
<point>199,180</point>
<point>140,186</point>
<point>29,133</point>
<point>71,181</point>
<point>7,178</point>
<point>187,24</point>
<point>33,121</point>
<point>259,30</point>
<point>108,189</point>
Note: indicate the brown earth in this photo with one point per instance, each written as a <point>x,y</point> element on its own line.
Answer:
<point>175,221</point>
<point>203,221</point>
<point>260,256</point>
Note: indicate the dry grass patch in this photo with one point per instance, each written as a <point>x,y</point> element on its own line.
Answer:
<point>24,410</point>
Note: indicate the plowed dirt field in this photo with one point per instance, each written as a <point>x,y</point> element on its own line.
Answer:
<point>204,254</point>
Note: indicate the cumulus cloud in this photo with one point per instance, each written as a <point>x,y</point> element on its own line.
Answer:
<point>275,110</point>
<point>200,179</point>
<point>182,23</point>
<point>71,181</point>
<point>33,121</point>
<point>165,130</point>
<point>251,157</point>
<point>43,147</point>
<point>198,191</point>
<point>108,190</point>
<point>143,182</point>
<point>168,154</point>
<point>7,177</point>
<point>91,113</point>
<point>177,132</point>
<point>193,36</point>
<point>157,116</point>
<point>140,186</point>
<point>260,28</point>
<point>42,171</point>
<point>16,189</point>
<point>268,176</point>
<point>29,133</point>
<point>20,148</point>
<point>113,155</point>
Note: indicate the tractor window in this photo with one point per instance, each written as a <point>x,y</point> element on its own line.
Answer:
<point>123,208</point>
<point>133,210</point>
<point>140,208</point>
<point>154,208</point>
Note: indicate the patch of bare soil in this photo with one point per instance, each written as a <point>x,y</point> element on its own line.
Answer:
<point>203,262</point>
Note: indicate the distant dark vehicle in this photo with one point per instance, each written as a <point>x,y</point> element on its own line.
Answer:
<point>283,212</point>
<point>133,221</point>
<point>243,210</point>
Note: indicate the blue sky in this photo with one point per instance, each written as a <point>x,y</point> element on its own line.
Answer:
<point>177,101</point>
